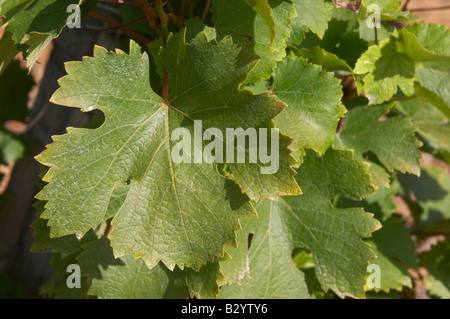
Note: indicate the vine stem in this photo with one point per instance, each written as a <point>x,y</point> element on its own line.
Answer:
<point>149,14</point>
<point>405,5</point>
<point>405,98</point>
<point>165,87</point>
<point>170,9</point>
<point>205,12</point>
<point>429,234</point>
<point>376,30</point>
<point>114,24</point>
<point>121,26</point>
<point>180,15</point>
<point>429,9</point>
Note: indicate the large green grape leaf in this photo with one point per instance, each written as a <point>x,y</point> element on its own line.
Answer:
<point>181,213</point>
<point>312,15</point>
<point>236,18</point>
<point>393,140</point>
<point>437,263</point>
<point>196,92</point>
<point>310,222</point>
<point>103,274</point>
<point>314,104</point>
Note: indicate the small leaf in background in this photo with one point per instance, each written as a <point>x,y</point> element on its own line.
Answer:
<point>393,140</point>
<point>437,264</point>
<point>312,15</point>
<point>314,104</point>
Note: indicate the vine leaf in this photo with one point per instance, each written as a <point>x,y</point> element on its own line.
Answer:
<point>390,6</point>
<point>434,126</point>
<point>394,64</point>
<point>437,263</point>
<point>128,278</point>
<point>434,86</point>
<point>33,24</point>
<point>314,104</point>
<point>204,80</point>
<point>236,19</point>
<point>385,71</point>
<point>311,15</point>
<point>180,213</point>
<point>311,222</point>
<point>264,10</point>
<point>432,195</point>
<point>395,254</point>
<point>393,140</point>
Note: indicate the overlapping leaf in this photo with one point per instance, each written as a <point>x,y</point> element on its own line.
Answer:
<point>395,254</point>
<point>391,65</point>
<point>236,18</point>
<point>310,222</point>
<point>434,126</point>
<point>392,140</point>
<point>127,277</point>
<point>33,24</point>
<point>437,263</point>
<point>311,15</point>
<point>314,104</point>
